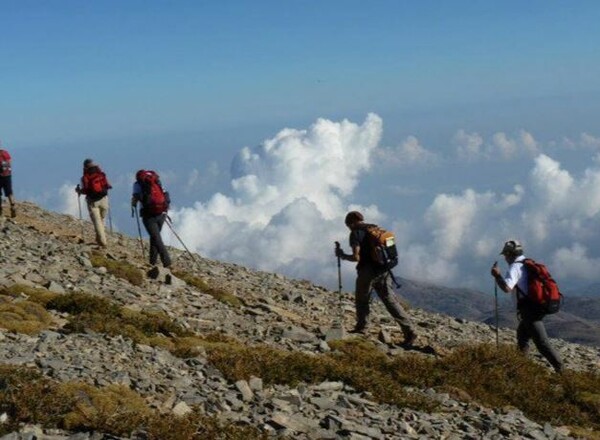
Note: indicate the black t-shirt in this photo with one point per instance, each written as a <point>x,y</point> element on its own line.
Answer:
<point>357,238</point>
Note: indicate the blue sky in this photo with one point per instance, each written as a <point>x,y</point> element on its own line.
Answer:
<point>101,69</point>
<point>183,86</point>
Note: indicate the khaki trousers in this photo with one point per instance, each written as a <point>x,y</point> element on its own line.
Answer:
<point>98,211</point>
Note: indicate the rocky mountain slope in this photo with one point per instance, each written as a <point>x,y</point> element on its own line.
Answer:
<point>229,309</point>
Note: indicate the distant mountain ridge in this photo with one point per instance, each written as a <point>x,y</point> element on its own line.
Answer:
<point>578,321</point>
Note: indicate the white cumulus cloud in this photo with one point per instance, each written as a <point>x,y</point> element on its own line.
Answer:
<point>574,261</point>
<point>472,147</point>
<point>469,146</point>
<point>68,203</point>
<point>409,153</point>
<point>288,199</point>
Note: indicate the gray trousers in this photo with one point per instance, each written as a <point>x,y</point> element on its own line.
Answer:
<point>531,327</point>
<point>154,225</point>
<point>367,279</point>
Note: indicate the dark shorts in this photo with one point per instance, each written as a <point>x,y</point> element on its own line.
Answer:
<point>6,186</point>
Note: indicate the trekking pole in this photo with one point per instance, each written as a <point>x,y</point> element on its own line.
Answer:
<point>496,307</point>
<point>339,267</point>
<point>137,219</point>
<point>170,225</point>
<point>80,216</point>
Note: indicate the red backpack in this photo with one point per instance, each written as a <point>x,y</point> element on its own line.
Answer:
<point>542,290</point>
<point>95,183</point>
<point>154,199</point>
<point>5,166</point>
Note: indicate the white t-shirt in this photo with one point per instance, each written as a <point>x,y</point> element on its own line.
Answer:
<point>516,276</point>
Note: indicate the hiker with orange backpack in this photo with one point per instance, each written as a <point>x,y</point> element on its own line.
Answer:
<point>95,186</point>
<point>6,181</point>
<point>374,251</point>
<point>537,295</point>
<point>155,201</point>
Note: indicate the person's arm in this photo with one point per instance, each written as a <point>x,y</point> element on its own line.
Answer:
<point>354,256</point>
<point>355,245</point>
<point>506,284</point>
<point>136,194</point>
<point>80,189</point>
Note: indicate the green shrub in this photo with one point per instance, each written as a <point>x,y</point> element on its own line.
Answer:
<point>121,269</point>
<point>274,366</point>
<point>218,293</point>
<point>105,316</point>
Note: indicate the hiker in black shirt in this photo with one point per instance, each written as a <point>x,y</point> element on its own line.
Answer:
<point>371,276</point>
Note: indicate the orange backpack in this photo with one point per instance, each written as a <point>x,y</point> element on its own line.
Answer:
<point>382,245</point>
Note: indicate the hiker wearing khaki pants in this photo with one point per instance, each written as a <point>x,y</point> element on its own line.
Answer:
<point>95,186</point>
<point>98,211</point>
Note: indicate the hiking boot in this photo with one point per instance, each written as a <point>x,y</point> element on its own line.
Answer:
<point>13,212</point>
<point>153,273</point>
<point>358,331</point>
<point>409,339</point>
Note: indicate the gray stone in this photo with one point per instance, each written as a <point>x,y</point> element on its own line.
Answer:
<point>385,337</point>
<point>245,390</point>
<point>256,383</point>
<point>297,334</point>
<point>323,402</point>
<point>335,333</point>
<point>295,422</point>
<point>329,386</point>
<point>54,287</point>
<point>181,409</point>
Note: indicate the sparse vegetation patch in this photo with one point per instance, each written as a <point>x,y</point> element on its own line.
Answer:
<point>218,293</point>
<point>121,269</point>
<point>23,316</point>
<point>28,397</point>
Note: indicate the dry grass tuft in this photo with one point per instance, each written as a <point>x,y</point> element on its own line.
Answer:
<point>274,366</point>
<point>28,397</point>
<point>89,312</point>
<point>218,293</point>
<point>37,295</point>
<point>195,426</point>
<point>504,377</point>
<point>121,269</point>
<point>23,316</point>
<point>114,409</point>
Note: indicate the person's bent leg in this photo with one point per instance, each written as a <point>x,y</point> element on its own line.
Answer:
<point>542,342</point>
<point>153,230</point>
<point>524,331</point>
<point>162,249</point>
<point>11,199</point>
<point>383,287</point>
<point>361,298</point>
<point>94,212</point>
<point>102,206</point>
